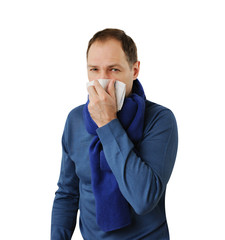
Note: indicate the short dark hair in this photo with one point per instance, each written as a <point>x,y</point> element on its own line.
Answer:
<point>128,45</point>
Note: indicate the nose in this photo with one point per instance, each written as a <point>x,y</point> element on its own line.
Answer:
<point>104,75</point>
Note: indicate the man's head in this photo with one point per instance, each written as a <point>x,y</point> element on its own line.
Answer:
<point>111,54</point>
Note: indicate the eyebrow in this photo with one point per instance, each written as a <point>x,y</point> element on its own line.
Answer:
<point>110,66</point>
<point>115,65</point>
<point>90,66</point>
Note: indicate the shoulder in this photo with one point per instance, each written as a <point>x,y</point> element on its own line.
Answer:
<point>75,116</point>
<point>159,116</point>
<point>75,112</point>
<point>152,109</point>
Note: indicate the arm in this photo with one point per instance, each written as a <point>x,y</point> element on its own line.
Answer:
<point>141,178</point>
<point>66,200</point>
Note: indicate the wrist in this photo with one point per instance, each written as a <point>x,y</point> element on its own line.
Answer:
<point>103,123</point>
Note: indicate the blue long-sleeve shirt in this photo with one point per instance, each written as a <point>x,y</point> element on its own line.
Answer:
<point>142,178</point>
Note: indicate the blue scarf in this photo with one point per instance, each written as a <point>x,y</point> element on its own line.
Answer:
<point>112,209</point>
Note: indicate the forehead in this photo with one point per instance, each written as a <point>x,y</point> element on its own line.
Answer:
<point>106,52</point>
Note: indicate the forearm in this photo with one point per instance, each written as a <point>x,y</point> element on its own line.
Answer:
<point>136,180</point>
<point>60,233</point>
<point>64,213</point>
<point>66,202</point>
<point>139,176</point>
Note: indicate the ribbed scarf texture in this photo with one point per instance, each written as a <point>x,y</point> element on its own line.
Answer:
<point>112,209</point>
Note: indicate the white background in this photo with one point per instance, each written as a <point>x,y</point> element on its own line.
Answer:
<point>181,47</point>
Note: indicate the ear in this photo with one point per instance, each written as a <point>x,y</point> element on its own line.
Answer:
<point>136,69</point>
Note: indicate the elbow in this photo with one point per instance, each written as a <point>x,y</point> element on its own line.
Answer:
<point>142,209</point>
<point>148,202</point>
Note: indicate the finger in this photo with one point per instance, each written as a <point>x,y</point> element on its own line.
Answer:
<point>92,94</point>
<point>98,87</point>
<point>92,91</point>
<point>111,88</point>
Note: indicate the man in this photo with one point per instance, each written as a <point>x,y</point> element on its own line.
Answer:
<point>115,165</point>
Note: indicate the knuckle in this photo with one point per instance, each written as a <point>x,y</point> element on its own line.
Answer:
<point>104,98</point>
<point>96,101</point>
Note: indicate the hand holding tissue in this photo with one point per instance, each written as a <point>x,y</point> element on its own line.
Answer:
<point>120,89</point>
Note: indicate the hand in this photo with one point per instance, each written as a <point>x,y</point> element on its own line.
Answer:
<point>102,104</point>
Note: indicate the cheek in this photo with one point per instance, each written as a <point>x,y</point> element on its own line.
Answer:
<point>128,88</point>
<point>91,76</point>
<point>129,84</point>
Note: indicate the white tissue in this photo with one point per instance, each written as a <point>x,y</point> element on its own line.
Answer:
<point>120,88</point>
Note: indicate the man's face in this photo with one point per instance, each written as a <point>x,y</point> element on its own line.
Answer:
<point>107,60</point>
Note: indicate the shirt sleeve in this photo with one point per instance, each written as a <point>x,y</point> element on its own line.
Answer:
<point>66,202</point>
<point>142,175</point>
